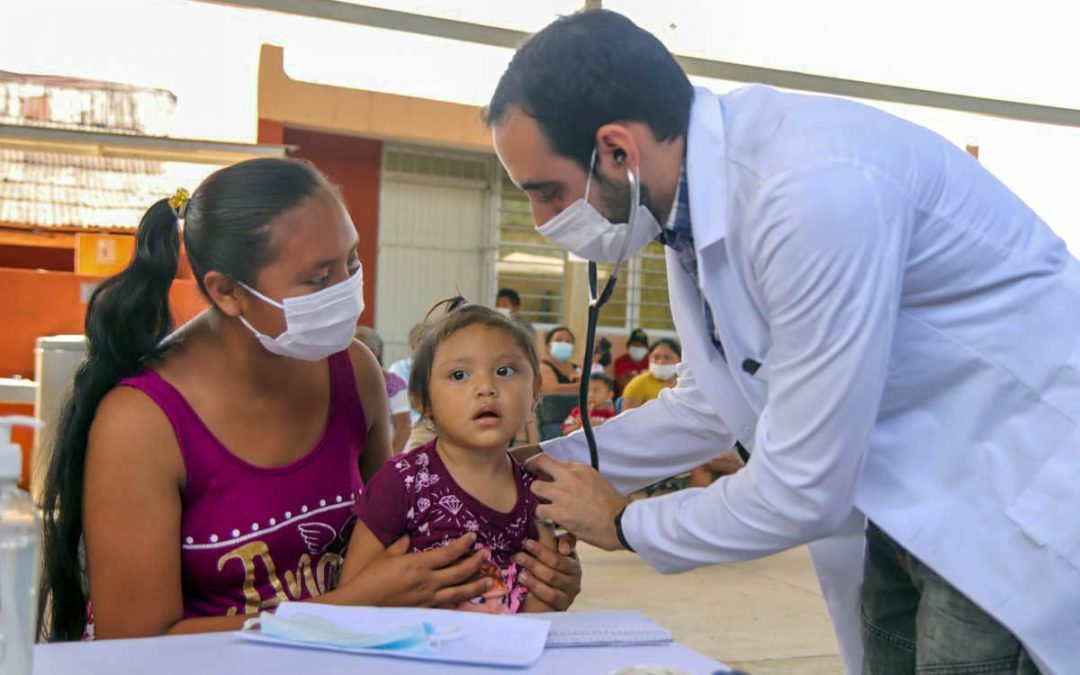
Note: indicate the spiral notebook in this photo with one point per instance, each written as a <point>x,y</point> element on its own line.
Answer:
<point>603,629</point>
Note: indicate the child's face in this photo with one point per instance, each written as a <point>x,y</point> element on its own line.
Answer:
<point>482,388</point>
<point>599,393</point>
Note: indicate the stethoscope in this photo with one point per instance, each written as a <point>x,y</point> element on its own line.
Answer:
<point>597,300</point>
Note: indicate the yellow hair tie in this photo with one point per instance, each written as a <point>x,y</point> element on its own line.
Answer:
<point>179,201</point>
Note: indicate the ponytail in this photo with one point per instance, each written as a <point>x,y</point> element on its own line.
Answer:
<point>126,319</point>
<point>226,229</point>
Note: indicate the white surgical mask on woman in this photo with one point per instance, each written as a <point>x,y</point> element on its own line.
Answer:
<point>662,371</point>
<point>586,233</point>
<point>638,353</point>
<point>318,324</point>
<point>561,351</point>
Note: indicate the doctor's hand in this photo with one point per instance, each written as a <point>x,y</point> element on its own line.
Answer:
<point>578,499</point>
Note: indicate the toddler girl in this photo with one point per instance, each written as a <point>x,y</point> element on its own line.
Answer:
<point>475,380</point>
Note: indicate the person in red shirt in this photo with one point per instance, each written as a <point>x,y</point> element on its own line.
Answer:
<point>634,362</point>
<point>601,408</point>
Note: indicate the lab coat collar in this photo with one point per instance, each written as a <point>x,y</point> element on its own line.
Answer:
<point>705,156</point>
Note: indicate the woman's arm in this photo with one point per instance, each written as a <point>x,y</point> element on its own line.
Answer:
<point>629,402</point>
<point>549,381</point>
<point>533,603</point>
<point>402,429</point>
<point>552,572</point>
<point>131,515</point>
<point>372,389</point>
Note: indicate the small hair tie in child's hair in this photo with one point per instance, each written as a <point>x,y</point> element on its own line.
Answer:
<point>448,305</point>
<point>178,202</point>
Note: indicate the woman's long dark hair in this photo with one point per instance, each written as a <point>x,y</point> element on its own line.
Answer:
<point>226,228</point>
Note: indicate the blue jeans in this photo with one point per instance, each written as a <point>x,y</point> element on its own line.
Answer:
<point>916,622</point>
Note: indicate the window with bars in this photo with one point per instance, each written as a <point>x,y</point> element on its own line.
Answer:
<point>527,262</point>
<point>536,269</point>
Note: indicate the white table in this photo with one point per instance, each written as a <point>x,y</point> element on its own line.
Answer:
<point>225,653</point>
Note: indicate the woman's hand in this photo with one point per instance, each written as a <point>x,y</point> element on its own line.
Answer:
<point>446,575</point>
<point>551,569</point>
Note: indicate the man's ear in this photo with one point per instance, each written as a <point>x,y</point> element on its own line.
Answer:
<point>616,148</point>
<point>224,293</point>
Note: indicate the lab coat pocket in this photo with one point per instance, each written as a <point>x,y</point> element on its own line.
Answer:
<point>1047,510</point>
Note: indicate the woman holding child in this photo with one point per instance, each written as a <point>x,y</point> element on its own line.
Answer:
<point>211,472</point>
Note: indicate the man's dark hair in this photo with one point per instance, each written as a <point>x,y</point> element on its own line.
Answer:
<point>511,295</point>
<point>589,69</point>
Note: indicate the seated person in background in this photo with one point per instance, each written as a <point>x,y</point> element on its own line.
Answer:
<point>664,356</point>
<point>402,367</point>
<point>634,362</point>
<point>601,406</point>
<point>397,392</point>
<point>557,374</point>
<point>474,378</point>
<point>508,303</point>
<point>727,463</point>
<point>602,357</point>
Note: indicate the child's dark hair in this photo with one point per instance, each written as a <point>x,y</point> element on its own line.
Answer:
<point>671,344</point>
<point>605,378</point>
<point>459,314</point>
<point>226,229</point>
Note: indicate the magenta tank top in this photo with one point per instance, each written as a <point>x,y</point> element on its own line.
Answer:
<point>252,537</point>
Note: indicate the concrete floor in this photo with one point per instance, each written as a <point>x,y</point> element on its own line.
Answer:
<point>765,617</point>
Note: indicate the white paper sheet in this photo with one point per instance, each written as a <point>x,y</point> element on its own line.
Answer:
<point>484,639</point>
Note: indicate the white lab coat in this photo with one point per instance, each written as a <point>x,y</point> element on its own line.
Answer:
<point>918,328</point>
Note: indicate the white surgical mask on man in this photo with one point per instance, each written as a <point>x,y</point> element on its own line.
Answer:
<point>662,371</point>
<point>505,311</point>
<point>318,324</point>
<point>585,232</point>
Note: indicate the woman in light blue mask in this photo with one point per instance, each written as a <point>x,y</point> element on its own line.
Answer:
<point>558,375</point>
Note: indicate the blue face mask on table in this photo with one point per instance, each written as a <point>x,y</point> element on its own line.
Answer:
<point>314,630</point>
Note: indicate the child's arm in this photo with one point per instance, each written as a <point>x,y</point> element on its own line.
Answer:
<point>363,548</point>
<point>546,538</point>
<point>572,423</point>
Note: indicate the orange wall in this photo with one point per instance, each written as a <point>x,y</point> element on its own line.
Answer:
<point>102,255</point>
<point>36,303</point>
<point>353,164</point>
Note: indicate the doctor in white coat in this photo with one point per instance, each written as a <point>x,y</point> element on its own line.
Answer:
<point>893,333</point>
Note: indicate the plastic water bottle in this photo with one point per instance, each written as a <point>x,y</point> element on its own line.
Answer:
<point>20,546</point>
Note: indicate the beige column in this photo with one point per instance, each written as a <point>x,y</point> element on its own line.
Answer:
<point>575,302</point>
